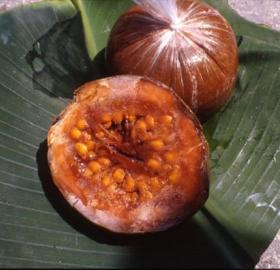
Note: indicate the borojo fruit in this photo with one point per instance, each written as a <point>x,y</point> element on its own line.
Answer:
<point>129,155</point>
<point>185,44</point>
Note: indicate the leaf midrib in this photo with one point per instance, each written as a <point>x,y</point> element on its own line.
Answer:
<point>92,48</point>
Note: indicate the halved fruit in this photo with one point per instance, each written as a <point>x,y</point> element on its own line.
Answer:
<point>129,155</point>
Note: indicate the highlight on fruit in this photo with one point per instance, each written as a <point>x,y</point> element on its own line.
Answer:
<point>186,44</point>
<point>129,155</point>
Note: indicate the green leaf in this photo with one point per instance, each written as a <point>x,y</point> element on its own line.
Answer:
<point>244,139</point>
<point>44,58</point>
<point>98,18</point>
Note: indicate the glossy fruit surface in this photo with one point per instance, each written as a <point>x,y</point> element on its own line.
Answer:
<point>129,155</point>
<point>185,44</point>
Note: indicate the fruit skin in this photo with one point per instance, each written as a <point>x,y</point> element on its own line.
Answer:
<point>197,57</point>
<point>170,206</point>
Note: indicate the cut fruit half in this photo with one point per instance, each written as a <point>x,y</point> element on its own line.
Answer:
<point>129,155</point>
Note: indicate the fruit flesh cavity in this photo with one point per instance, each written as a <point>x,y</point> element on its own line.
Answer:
<point>129,155</point>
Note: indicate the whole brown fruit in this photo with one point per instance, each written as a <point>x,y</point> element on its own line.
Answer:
<point>186,44</point>
<point>129,155</point>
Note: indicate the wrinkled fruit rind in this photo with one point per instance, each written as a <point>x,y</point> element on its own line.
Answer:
<point>188,45</point>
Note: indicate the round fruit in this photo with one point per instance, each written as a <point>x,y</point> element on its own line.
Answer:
<point>185,44</point>
<point>129,155</point>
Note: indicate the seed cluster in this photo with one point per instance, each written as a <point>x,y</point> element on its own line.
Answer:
<point>110,180</point>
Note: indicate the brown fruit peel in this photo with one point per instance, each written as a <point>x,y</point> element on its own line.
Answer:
<point>186,44</point>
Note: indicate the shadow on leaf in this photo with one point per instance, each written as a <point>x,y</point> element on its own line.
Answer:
<point>60,61</point>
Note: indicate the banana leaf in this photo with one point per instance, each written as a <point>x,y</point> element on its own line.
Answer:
<point>49,48</point>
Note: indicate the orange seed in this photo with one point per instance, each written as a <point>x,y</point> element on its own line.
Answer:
<point>90,145</point>
<point>169,156</point>
<point>112,187</point>
<point>142,186</point>
<point>104,161</point>
<point>166,119</point>
<point>94,166</point>
<point>105,118</point>
<point>174,176</point>
<point>118,117</point>
<point>156,144</point>
<point>82,124</point>
<point>131,118</point>
<point>119,175</point>
<point>81,149</point>
<point>75,134</point>
<point>106,180</point>
<point>141,125</point>
<point>150,121</point>
<point>129,184</point>
<point>153,164</point>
